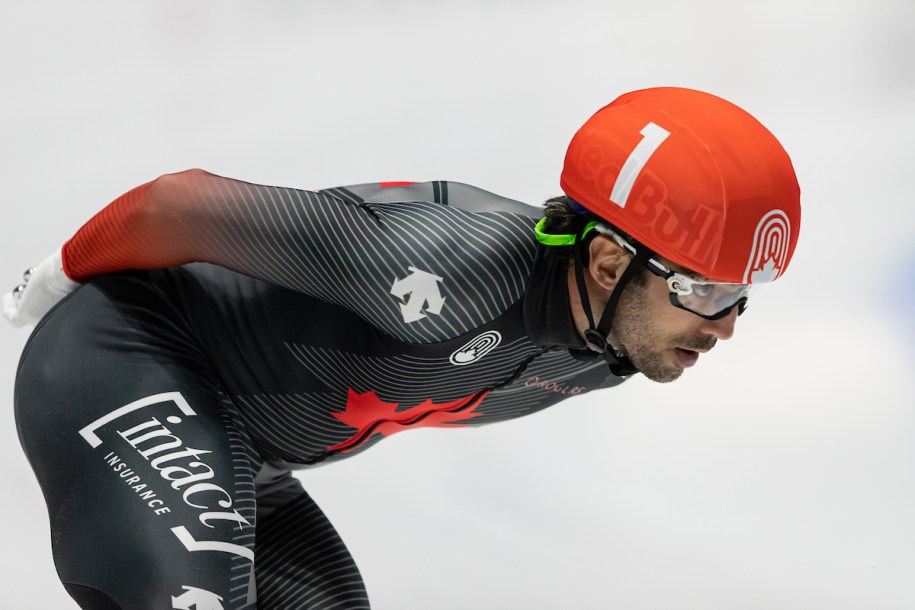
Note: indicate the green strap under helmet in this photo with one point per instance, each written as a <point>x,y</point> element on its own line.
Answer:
<point>554,239</point>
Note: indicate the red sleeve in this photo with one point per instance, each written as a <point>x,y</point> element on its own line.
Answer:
<point>175,219</point>
<point>193,216</point>
<point>125,235</point>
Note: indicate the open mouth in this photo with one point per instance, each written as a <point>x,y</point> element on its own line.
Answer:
<point>687,357</point>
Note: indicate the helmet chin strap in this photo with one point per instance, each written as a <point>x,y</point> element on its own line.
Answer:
<point>596,335</point>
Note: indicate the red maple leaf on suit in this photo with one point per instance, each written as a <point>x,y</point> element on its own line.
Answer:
<point>369,415</point>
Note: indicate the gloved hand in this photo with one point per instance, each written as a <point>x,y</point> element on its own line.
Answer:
<point>44,286</point>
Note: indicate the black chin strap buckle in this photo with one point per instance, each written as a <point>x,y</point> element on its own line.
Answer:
<point>619,364</point>
<point>594,341</point>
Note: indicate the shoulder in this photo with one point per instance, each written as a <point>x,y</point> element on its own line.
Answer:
<point>444,192</point>
<point>460,221</point>
<point>468,250</point>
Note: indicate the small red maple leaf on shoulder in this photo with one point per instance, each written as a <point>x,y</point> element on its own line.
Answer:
<point>369,415</point>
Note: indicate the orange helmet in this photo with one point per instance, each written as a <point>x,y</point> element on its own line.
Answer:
<point>692,177</point>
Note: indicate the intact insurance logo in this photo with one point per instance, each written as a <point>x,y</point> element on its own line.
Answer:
<point>174,481</point>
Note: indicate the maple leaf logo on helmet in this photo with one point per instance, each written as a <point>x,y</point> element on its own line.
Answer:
<point>771,242</point>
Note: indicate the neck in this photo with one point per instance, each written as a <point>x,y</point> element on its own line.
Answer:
<point>597,298</point>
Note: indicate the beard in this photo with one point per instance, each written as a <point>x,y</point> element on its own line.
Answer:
<point>637,332</point>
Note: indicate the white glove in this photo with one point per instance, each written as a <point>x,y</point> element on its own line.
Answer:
<point>44,286</point>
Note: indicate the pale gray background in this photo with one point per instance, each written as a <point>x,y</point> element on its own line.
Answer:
<point>778,474</point>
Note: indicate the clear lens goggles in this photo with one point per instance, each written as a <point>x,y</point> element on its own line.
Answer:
<point>706,298</point>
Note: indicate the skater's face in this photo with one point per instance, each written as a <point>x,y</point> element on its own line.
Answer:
<point>661,340</point>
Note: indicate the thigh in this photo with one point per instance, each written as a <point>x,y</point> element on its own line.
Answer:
<point>147,480</point>
<point>302,562</point>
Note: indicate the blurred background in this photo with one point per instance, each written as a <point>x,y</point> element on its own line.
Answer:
<point>776,474</point>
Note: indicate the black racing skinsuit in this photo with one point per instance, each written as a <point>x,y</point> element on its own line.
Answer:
<point>162,409</point>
